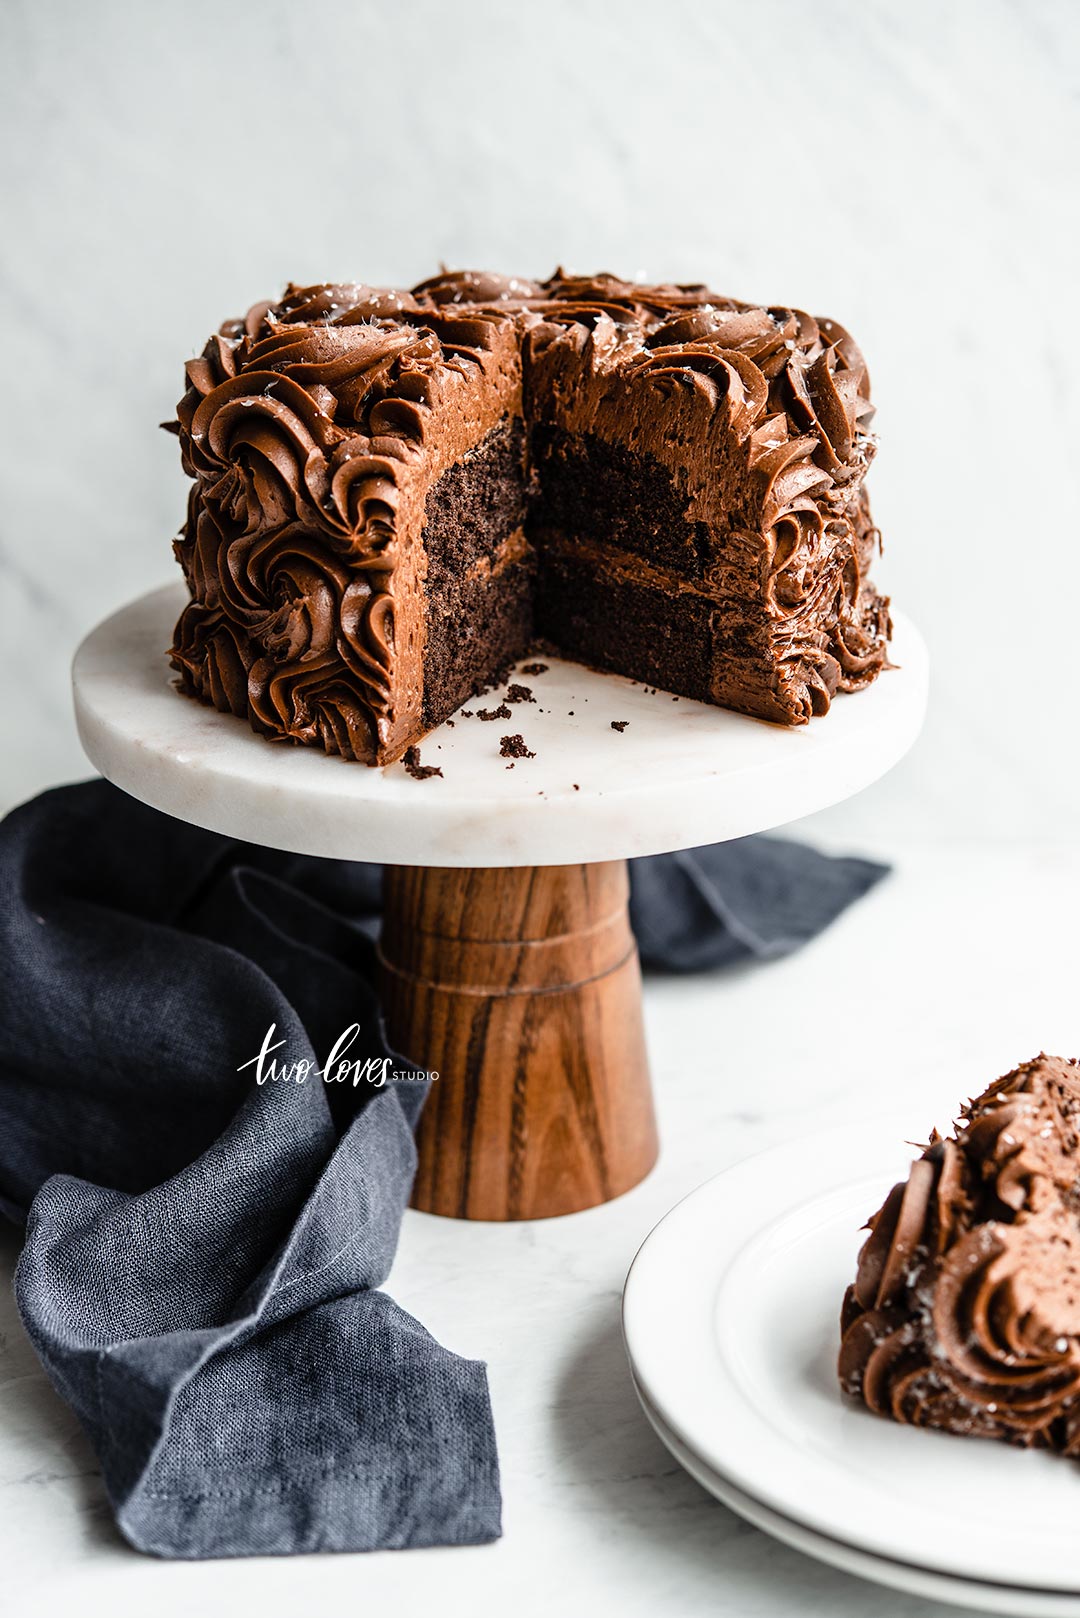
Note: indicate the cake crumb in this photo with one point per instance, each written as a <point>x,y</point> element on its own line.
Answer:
<point>576,787</point>
<point>534,668</point>
<point>419,772</point>
<point>514,747</point>
<point>519,693</point>
<point>501,712</point>
<point>498,677</point>
<point>619,724</point>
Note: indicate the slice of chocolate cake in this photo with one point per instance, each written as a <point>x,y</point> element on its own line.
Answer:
<point>355,544</point>
<point>965,1312</point>
<point>394,490</point>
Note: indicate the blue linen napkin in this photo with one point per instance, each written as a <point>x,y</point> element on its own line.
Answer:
<point>203,1255</point>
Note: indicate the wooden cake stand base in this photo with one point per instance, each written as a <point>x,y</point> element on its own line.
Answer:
<point>508,964</point>
<point>521,988</point>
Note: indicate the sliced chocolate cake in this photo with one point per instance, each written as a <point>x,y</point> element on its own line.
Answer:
<point>965,1312</point>
<point>395,492</point>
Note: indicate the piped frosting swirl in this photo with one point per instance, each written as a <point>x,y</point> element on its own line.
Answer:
<point>965,1310</point>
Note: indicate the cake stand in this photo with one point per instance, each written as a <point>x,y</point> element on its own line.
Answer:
<point>508,965</point>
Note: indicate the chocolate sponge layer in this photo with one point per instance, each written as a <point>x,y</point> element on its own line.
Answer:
<point>478,590</point>
<point>629,628</point>
<point>597,490</point>
<point>476,506</point>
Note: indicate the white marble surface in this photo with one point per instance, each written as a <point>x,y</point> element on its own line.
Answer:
<point>908,168</point>
<point>959,965</point>
<point>679,774</point>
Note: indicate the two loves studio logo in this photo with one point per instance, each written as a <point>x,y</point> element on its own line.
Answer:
<point>339,1067</point>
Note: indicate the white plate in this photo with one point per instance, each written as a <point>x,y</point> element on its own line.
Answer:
<point>994,1598</point>
<point>730,1314</point>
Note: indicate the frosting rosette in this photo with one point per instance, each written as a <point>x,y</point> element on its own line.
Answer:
<point>311,630</point>
<point>264,417</point>
<point>965,1310</point>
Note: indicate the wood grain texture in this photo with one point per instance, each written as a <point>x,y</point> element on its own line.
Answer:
<point>521,988</point>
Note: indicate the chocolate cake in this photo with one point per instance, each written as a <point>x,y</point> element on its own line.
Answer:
<point>397,493</point>
<point>965,1312</point>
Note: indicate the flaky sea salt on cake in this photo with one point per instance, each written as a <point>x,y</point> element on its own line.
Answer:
<point>395,493</point>
<point>965,1311</point>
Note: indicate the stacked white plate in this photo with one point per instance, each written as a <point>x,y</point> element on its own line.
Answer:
<point>730,1314</point>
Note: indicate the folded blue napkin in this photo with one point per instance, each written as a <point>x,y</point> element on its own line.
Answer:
<point>203,1254</point>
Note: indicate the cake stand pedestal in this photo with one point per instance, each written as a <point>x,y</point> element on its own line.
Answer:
<point>508,965</point>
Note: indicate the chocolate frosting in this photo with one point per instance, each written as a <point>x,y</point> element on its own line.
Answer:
<point>965,1311</point>
<point>315,427</point>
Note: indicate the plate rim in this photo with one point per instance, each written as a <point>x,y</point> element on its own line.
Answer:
<point>802,1170</point>
<point>891,1572</point>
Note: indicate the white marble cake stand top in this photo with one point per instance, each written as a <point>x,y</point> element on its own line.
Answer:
<point>682,773</point>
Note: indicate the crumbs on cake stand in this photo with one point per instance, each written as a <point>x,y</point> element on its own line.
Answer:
<point>513,747</point>
<point>499,677</point>
<point>419,772</point>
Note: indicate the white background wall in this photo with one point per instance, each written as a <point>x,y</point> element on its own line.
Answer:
<point>908,167</point>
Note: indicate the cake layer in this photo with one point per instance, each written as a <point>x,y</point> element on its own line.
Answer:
<point>612,613</point>
<point>626,627</point>
<point>599,490</point>
<point>481,625</point>
<point>479,570</point>
<point>475,506</point>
